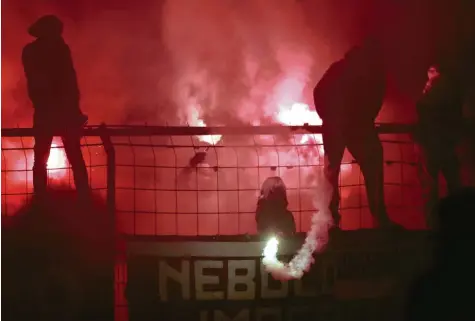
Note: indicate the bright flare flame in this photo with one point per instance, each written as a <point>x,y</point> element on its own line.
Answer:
<point>194,119</point>
<point>210,139</point>
<point>271,248</point>
<point>299,114</point>
<point>57,157</point>
<point>57,162</point>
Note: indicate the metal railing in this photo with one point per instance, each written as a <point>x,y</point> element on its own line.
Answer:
<point>154,183</point>
<point>153,186</point>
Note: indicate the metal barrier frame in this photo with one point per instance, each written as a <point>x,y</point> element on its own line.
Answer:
<point>106,133</point>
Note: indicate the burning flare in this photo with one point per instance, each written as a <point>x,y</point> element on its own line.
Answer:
<point>298,114</point>
<point>57,162</point>
<point>316,240</point>
<point>194,119</point>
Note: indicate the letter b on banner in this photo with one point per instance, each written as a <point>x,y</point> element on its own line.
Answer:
<point>237,280</point>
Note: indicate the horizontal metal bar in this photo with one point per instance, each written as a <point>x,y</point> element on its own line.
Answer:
<point>383,128</point>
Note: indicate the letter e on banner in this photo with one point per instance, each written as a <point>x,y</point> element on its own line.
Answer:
<point>201,280</point>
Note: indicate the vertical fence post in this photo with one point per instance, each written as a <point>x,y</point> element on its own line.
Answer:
<point>111,168</point>
<point>110,200</point>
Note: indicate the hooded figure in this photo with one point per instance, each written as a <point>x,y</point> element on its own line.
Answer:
<point>272,215</point>
<point>53,90</point>
<point>348,99</point>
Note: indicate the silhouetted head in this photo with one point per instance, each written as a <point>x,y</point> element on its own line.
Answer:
<point>369,48</point>
<point>433,72</point>
<point>274,190</point>
<point>48,26</point>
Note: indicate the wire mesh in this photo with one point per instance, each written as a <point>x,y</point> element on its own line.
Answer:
<point>162,189</point>
<point>181,185</point>
<point>17,163</point>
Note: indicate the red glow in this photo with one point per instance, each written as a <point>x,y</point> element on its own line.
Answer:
<point>195,120</point>
<point>17,165</point>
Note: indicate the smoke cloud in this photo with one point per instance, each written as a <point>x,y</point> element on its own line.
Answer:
<point>179,62</point>
<point>237,60</point>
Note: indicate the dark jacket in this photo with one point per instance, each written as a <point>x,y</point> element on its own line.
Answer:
<point>274,218</point>
<point>440,114</point>
<point>51,79</point>
<point>351,92</point>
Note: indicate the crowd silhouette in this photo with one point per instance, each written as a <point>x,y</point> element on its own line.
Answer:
<point>58,260</point>
<point>444,292</point>
<point>50,232</point>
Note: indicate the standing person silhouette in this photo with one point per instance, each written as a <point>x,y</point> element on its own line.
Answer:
<point>438,131</point>
<point>53,90</point>
<point>348,99</point>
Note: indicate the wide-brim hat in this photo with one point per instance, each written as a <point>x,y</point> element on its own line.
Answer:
<point>48,25</point>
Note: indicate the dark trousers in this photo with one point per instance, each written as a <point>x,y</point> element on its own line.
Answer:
<point>364,144</point>
<point>435,158</point>
<point>72,147</point>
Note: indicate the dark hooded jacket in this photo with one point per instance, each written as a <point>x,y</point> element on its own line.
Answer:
<point>440,114</point>
<point>352,90</point>
<point>49,70</point>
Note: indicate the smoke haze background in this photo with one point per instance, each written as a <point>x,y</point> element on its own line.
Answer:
<point>140,63</point>
<point>225,62</point>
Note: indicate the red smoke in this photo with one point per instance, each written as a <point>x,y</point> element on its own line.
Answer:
<point>204,63</point>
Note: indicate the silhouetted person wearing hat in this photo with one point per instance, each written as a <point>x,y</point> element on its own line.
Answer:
<point>53,90</point>
<point>348,99</point>
<point>438,131</point>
